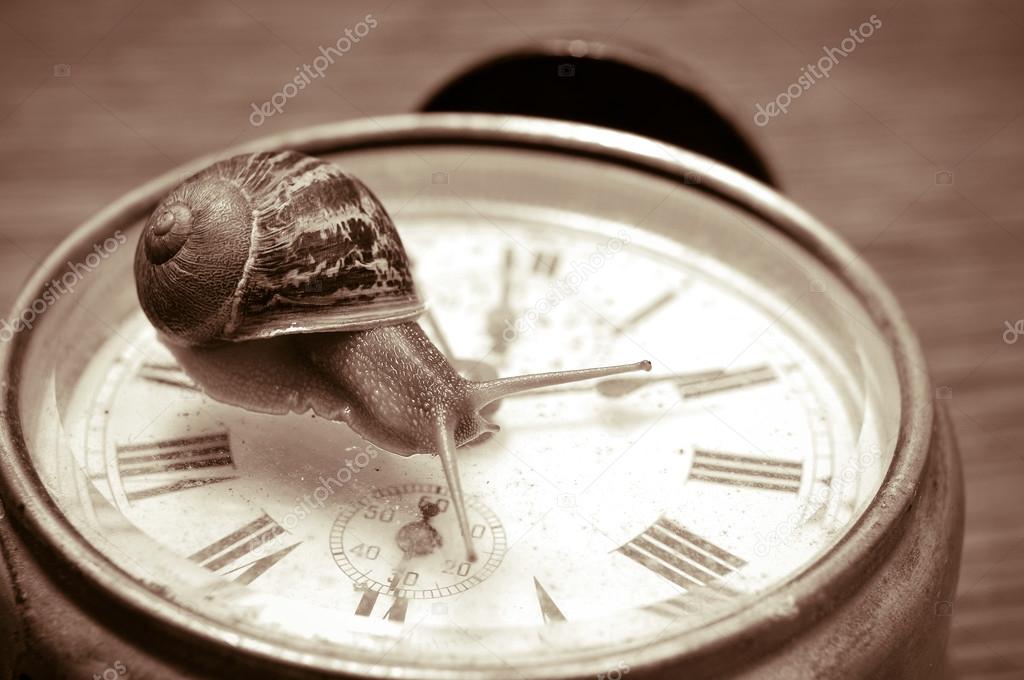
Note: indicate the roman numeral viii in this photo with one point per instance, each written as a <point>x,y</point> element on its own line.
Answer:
<point>680,556</point>
<point>237,554</point>
<point>161,467</point>
<point>746,471</point>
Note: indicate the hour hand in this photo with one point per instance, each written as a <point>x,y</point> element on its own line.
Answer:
<point>477,370</point>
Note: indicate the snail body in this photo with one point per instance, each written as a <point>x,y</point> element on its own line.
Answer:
<point>280,284</point>
<point>390,384</point>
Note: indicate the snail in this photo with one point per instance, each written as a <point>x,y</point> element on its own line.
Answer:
<point>280,284</point>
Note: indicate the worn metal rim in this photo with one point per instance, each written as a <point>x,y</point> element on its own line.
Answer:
<point>776,616</point>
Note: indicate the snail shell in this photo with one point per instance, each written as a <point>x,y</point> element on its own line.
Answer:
<point>268,244</point>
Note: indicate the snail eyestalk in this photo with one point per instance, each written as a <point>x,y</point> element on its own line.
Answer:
<point>446,450</point>
<point>486,392</point>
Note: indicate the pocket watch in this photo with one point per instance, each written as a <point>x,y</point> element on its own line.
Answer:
<point>778,497</point>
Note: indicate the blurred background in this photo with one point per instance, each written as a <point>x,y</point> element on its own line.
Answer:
<point>911,149</point>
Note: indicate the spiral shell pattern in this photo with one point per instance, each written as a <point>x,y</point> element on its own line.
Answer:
<point>268,244</point>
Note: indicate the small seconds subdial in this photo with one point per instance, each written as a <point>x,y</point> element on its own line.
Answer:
<point>403,541</point>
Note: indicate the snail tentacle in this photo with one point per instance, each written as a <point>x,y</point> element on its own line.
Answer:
<point>486,392</point>
<point>449,461</point>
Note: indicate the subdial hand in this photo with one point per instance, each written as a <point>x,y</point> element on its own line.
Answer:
<point>415,539</point>
<point>420,537</point>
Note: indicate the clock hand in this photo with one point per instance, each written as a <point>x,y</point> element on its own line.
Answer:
<point>419,538</point>
<point>647,311</point>
<point>701,381</point>
<point>616,387</point>
<point>476,370</point>
<point>442,339</point>
<point>498,317</point>
<point>471,369</point>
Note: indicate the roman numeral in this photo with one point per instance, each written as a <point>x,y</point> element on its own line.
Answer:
<point>728,380</point>
<point>233,555</point>
<point>166,374</point>
<point>398,609</point>
<point>396,612</point>
<point>680,556</point>
<point>545,263</point>
<point>548,609</point>
<point>178,463</point>
<point>746,471</point>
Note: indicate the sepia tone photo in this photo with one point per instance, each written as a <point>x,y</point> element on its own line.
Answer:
<point>487,340</point>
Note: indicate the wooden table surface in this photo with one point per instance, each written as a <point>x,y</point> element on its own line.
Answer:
<point>96,97</point>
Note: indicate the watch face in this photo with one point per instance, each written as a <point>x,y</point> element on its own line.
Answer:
<point>609,517</point>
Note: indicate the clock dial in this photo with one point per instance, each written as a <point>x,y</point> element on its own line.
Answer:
<point>661,499</point>
<point>608,516</point>
<point>413,525</point>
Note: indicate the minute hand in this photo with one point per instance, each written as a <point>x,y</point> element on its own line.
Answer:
<point>692,384</point>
